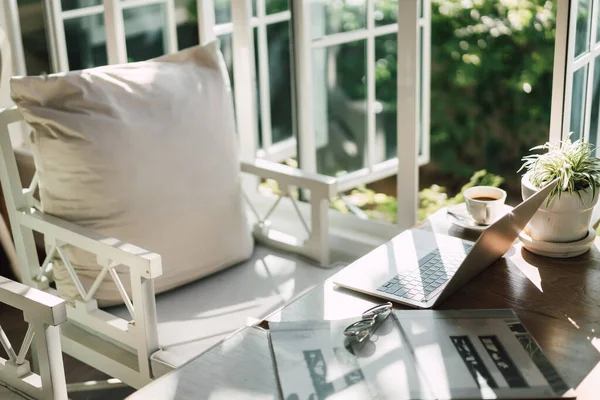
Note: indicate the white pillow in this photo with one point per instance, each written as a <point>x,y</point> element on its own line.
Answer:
<point>145,153</point>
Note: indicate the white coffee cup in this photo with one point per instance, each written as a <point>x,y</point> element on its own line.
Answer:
<point>485,204</point>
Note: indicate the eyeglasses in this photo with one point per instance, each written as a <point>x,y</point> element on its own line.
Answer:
<point>362,330</point>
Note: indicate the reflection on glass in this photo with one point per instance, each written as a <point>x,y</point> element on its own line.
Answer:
<point>280,77</point>
<point>386,12</point>
<point>145,32</point>
<point>275,6</point>
<point>227,50</point>
<point>75,4</point>
<point>595,106</point>
<point>86,42</point>
<point>578,103</point>
<point>340,107</point>
<point>223,11</point>
<point>187,30</point>
<point>582,27</point>
<point>335,16</point>
<point>257,91</point>
<point>35,42</point>
<point>598,29</point>
<point>386,50</point>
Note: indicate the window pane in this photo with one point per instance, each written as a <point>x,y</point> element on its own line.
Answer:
<point>187,30</point>
<point>335,16</point>
<point>595,106</point>
<point>86,42</point>
<point>275,6</point>
<point>35,43</point>
<point>340,107</point>
<point>598,28</point>
<point>145,32</point>
<point>386,50</point>
<point>75,4</point>
<point>578,103</point>
<point>386,12</point>
<point>222,11</point>
<point>582,27</point>
<point>278,37</point>
<point>227,50</point>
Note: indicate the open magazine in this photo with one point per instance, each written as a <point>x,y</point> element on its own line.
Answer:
<point>467,354</point>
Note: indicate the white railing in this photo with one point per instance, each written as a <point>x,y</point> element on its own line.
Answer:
<point>43,313</point>
<point>122,348</point>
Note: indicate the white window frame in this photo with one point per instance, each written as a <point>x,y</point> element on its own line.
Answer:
<point>411,24</point>
<point>114,27</point>
<point>412,28</point>
<point>566,65</point>
<point>304,46</point>
<point>245,73</point>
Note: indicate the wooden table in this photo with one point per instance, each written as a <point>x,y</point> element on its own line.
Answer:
<point>557,300</point>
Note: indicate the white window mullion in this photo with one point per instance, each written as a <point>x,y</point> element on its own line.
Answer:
<point>425,133</point>
<point>560,68</point>
<point>408,111</point>
<point>82,12</point>
<point>274,18</point>
<point>245,78</point>
<point>590,74</point>
<point>171,28</point>
<point>371,95</point>
<point>9,22</point>
<point>55,29</point>
<point>206,21</point>
<point>115,32</point>
<point>307,154</point>
<point>223,29</point>
<point>264,81</point>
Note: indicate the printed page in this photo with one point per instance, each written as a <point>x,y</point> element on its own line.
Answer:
<point>474,358</point>
<point>313,363</point>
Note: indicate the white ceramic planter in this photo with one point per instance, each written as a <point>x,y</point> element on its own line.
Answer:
<point>565,219</point>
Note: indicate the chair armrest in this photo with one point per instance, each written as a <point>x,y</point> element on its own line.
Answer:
<point>45,307</point>
<point>148,263</point>
<point>322,188</point>
<point>326,186</point>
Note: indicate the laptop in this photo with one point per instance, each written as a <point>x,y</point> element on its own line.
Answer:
<point>421,269</point>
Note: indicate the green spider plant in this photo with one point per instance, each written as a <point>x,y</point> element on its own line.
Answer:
<point>573,163</point>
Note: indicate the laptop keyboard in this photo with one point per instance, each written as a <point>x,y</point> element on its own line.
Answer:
<point>432,273</point>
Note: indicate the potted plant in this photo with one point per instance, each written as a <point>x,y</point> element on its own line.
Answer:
<point>565,216</point>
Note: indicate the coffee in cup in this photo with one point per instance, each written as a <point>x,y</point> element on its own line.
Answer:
<point>485,204</point>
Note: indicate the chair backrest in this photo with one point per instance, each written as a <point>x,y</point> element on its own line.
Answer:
<point>44,312</point>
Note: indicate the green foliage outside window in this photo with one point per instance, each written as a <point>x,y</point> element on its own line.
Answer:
<point>491,74</point>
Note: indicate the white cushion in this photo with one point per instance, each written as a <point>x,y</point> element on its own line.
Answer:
<point>145,153</point>
<point>193,318</point>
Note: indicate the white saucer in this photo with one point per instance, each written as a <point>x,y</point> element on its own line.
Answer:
<point>558,250</point>
<point>460,217</point>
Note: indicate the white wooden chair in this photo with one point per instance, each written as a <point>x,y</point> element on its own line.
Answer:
<point>150,335</point>
<point>43,312</point>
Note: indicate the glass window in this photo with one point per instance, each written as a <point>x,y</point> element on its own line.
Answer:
<point>336,16</point>
<point>595,107</point>
<point>222,11</point>
<point>75,4</point>
<point>578,103</point>
<point>582,27</point>
<point>86,41</point>
<point>386,137</point>
<point>340,107</point>
<point>280,80</point>
<point>386,12</point>
<point>275,6</point>
<point>145,32</point>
